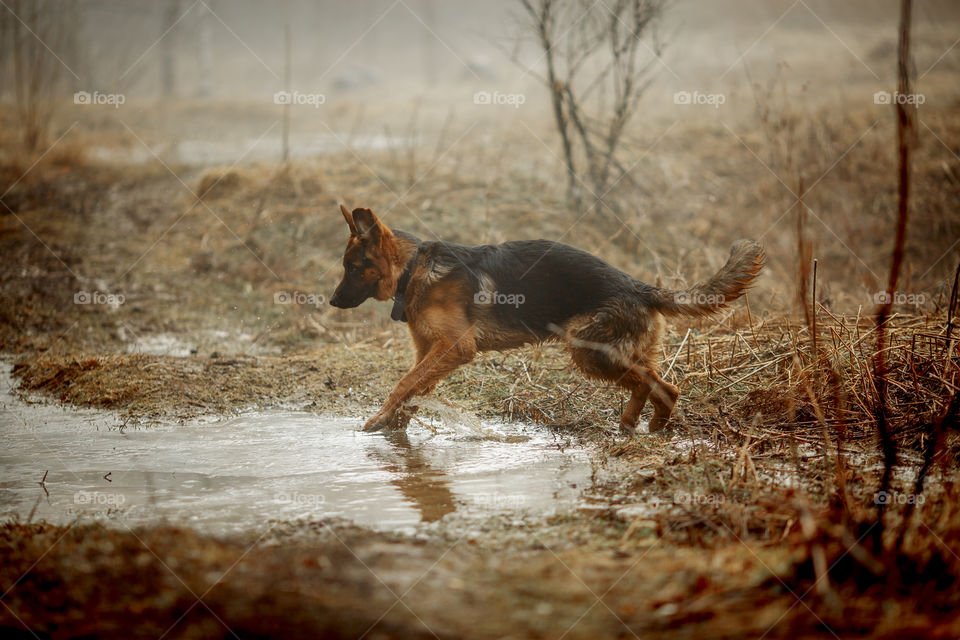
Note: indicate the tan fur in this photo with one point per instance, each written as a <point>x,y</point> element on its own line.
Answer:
<point>745,261</point>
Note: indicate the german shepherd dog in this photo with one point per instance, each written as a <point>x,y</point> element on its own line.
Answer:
<point>459,300</point>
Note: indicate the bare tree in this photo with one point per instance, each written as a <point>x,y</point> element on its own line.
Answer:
<point>30,31</point>
<point>595,79</point>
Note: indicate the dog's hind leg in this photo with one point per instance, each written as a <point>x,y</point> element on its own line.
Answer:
<point>631,413</point>
<point>663,396</point>
<point>607,362</point>
<point>624,353</point>
<point>643,383</point>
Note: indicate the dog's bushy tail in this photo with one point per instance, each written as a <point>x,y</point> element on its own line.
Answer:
<point>743,265</point>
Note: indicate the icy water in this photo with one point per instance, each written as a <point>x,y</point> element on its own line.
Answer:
<point>236,474</point>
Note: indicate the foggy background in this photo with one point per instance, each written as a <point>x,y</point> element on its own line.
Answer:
<point>225,49</point>
<point>435,114</point>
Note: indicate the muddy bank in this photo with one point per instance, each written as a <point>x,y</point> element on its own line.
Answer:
<point>334,581</point>
<point>149,387</point>
<point>344,585</point>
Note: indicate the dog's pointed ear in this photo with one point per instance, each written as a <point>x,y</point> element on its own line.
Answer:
<point>349,218</point>
<point>369,225</point>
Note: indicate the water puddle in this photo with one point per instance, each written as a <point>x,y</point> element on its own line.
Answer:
<point>236,474</point>
<point>167,344</point>
<point>161,345</point>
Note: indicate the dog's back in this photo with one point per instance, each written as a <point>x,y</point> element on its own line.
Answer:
<point>529,285</point>
<point>534,287</point>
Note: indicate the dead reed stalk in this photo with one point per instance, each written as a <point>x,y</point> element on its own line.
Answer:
<point>904,129</point>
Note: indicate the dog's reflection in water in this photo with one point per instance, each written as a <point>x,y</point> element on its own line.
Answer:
<point>420,482</point>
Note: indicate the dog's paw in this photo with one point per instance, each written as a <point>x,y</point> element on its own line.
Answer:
<point>378,422</point>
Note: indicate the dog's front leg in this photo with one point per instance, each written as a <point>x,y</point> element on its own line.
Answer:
<point>441,360</point>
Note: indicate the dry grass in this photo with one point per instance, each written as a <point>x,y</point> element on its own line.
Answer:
<point>775,441</point>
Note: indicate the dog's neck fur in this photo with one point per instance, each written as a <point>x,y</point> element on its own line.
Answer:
<point>408,248</point>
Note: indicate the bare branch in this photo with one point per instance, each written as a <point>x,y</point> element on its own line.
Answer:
<point>594,45</point>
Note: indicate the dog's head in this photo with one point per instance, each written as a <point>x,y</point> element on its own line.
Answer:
<point>372,262</point>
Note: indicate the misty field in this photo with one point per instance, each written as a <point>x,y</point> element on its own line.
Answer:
<point>181,404</point>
